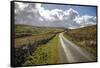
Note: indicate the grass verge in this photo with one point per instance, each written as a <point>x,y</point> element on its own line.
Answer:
<point>44,54</point>
<point>89,49</point>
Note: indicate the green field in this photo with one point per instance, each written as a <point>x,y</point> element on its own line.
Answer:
<point>36,45</point>
<point>84,37</point>
<point>40,45</point>
<point>27,30</point>
<point>26,34</point>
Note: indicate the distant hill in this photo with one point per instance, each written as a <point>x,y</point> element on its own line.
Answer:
<point>21,29</point>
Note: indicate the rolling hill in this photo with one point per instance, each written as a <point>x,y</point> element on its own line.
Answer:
<point>85,37</point>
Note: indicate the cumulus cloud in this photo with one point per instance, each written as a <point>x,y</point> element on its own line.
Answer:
<point>27,14</point>
<point>86,20</point>
<point>37,15</point>
<point>19,6</point>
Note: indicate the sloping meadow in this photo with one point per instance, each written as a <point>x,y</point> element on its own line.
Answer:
<point>29,38</point>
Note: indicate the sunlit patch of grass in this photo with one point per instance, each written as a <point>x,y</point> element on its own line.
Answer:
<point>44,54</point>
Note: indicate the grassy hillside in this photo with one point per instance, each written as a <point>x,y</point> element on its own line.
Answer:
<point>84,37</point>
<point>36,45</point>
<point>27,30</point>
<point>26,34</point>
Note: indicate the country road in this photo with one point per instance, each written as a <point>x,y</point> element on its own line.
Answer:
<point>71,53</point>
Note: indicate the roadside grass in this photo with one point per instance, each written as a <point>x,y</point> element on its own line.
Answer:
<point>84,38</point>
<point>44,54</point>
<point>92,50</point>
<point>31,44</point>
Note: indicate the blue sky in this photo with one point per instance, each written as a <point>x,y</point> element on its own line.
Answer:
<point>83,10</point>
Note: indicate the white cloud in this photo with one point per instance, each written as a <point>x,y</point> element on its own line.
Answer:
<point>38,6</point>
<point>86,20</point>
<point>20,6</point>
<point>72,14</point>
<point>26,14</point>
<point>41,19</point>
<point>57,14</point>
<point>36,14</point>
